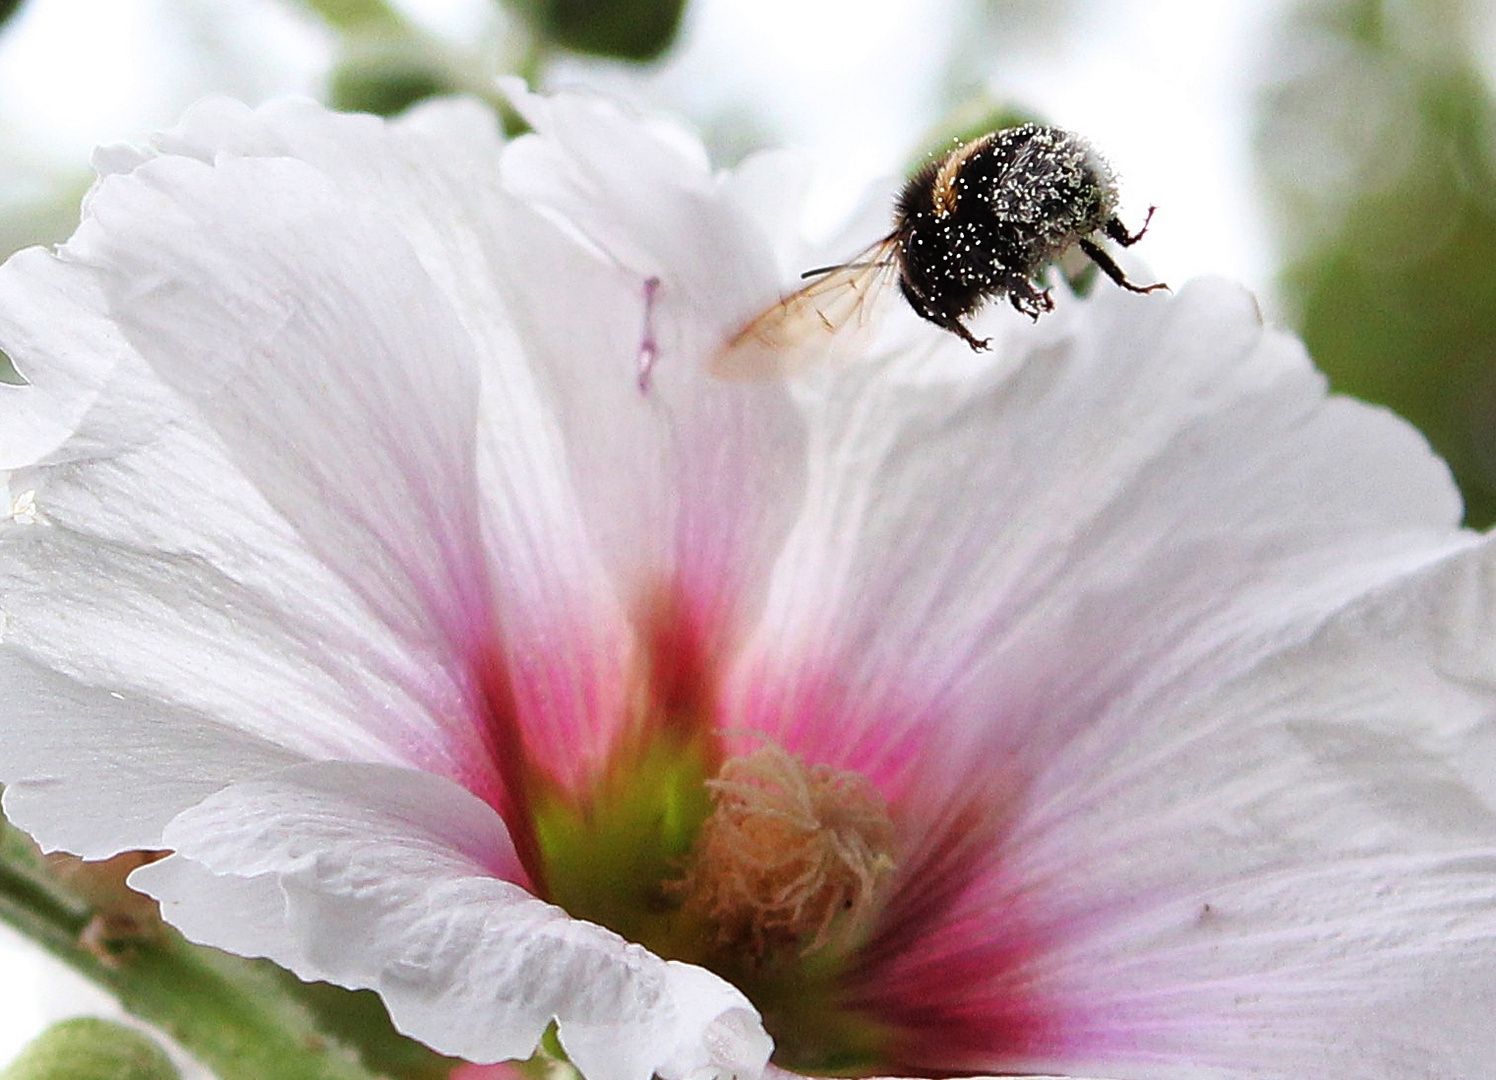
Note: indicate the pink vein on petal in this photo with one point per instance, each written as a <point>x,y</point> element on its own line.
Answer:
<point>955,966</point>
<point>813,713</point>
<point>508,781</point>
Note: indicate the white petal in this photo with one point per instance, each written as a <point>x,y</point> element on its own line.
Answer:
<point>624,229</point>
<point>769,188</point>
<point>180,587</point>
<point>344,350</point>
<point>1133,488</point>
<point>242,915</point>
<point>1282,874</point>
<point>85,394</point>
<point>432,176</point>
<point>228,561</point>
<point>603,171</point>
<point>582,480</point>
<point>386,881</point>
<point>94,772</point>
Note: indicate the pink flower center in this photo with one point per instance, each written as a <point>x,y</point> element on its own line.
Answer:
<point>774,872</point>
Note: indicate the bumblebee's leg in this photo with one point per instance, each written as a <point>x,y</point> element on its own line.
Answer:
<point>1113,271</point>
<point>1117,231</point>
<point>977,344</point>
<point>942,320</point>
<point>1026,299</point>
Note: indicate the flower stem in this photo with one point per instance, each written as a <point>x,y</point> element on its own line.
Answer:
<point>240,1018</point>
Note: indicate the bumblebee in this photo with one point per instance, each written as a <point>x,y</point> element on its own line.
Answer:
<point>981,223</point>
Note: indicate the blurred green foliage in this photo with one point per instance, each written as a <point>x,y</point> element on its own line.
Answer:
<point>346,15</point>
<point>385,88</point>
<point>636,30</point>
<point>386,64</point>
<point>7,9</point>
<point>1381,151</point>
<point>971,119</point>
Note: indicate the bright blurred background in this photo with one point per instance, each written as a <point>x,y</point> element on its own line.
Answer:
<point>1337,156</point>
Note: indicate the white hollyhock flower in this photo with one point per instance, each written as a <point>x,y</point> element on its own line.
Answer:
<point>381,547</point>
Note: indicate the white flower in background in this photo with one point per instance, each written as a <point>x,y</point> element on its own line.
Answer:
<point>1086,707</point>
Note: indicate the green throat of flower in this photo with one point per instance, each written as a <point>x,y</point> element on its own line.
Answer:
<point>766,870</point>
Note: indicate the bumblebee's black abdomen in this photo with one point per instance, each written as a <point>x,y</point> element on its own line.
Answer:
<point>949,263</point>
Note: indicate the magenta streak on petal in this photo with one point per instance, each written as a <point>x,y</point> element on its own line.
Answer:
<point>487,745</point>
<point>955,966</point>
<point>815,716</point>
<point>504,743</point>
<point>955,961</point>
<point>682,664</point>
<point>529,748</point>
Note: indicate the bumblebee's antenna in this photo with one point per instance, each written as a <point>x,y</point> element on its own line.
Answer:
<point>818,271</point>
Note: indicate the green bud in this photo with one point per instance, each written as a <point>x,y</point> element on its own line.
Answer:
<point>87,1048</point>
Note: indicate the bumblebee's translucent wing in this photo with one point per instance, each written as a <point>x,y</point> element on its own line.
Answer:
<point>826,321</point>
